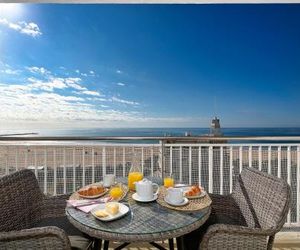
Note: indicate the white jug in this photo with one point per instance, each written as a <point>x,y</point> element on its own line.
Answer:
<point>144,189</point>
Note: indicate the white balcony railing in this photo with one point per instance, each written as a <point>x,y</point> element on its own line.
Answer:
<point>64,166</point>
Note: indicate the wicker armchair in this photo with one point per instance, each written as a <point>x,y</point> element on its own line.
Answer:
<point>248,218</point>
<point>25,213</point>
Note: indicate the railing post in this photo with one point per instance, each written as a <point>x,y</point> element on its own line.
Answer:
<point>74,169</point>
<point>124,162</point>
<point>83,166</point>
<point>279,162</point>
<point>240,158</point>
<point>250,156</point>
<point>298,185</point>
<point>199,165</point>
<point>65,171</point>
<point>55,173</point>
<point>180,164</point>
<point>259,158</point>
<point>221,170</point>
<point>45,170</point>
<point>103,162</point>
<point>190,165</point>
<point>17,158</point>
<point>162,158</point>
<point>171,160</point>
<point>115,164</point>
<point>142,160</point>
<point>230,170</point>
<point>152,161</point>
<point>210,169</point>
<point>93,165</point>
<point>289,178</point>
<point>35,163</point>
<point>269,160</point>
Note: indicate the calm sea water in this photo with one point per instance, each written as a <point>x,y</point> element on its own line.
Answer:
<point>160,132</point>
<point>143,132</point>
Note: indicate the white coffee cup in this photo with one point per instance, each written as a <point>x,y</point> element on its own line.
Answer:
<point>144,189</point>
<point>174,195</point>
<point>108,180</point>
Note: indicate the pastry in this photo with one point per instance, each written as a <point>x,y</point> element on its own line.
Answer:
<point>112,208</point>
<point>101,213</point>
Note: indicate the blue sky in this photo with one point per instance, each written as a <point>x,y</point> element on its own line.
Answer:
<point>149,65</point>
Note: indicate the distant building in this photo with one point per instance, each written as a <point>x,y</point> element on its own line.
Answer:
<point>215,127</point>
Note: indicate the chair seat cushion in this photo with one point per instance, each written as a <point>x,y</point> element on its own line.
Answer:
<point>77,238</point>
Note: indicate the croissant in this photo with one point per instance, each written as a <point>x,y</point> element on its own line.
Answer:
<point>91,191</point>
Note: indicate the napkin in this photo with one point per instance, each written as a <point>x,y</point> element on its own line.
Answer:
<point>87,205</point>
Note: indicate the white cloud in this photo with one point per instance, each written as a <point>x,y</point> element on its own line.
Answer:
<point>38,70</point>
<point>77,71</point>
<point>120,84</point>
<point>10,71</point>
<point>119,71</point>
<point>89,92</point>
<point>30,29</point>
<point>53,83</point>
<point>52,107</point>
<point>83,74</point>
<point>116,99</point>
<point>97,99</point>
<point>73,82</point>
<point>92,72</point>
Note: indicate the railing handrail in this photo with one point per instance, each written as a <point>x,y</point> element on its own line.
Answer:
<point>160,138</point>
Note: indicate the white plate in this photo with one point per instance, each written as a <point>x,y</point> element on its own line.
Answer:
<point>123,210</point>
<point>184,202</point>
<point>93,196</point>
<point>186,188</point>
<point>138,198</point>
<point>203,193</point>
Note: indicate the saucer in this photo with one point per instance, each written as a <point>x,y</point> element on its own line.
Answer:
<point>136,197</point>
<point>184,202</point>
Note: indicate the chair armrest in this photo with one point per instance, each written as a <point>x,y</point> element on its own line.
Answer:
<point>35,238</point>
<point>54,206</point>
<point>221,236</point>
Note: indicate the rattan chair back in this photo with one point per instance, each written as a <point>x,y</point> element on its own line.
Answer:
<point>263,199</point>
<point>20,198</point>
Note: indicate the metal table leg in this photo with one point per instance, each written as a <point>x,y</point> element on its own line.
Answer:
<point>171,244</point>
<point>106,244</point>
<point>97,244</point>
<point>179,242</point>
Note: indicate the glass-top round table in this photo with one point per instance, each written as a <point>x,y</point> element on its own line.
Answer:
<point>145,222</point>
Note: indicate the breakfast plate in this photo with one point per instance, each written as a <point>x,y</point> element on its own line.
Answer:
<point>198,195</point>
<point>123,210</point>
<point>202,194</point>
<point>98,192</point>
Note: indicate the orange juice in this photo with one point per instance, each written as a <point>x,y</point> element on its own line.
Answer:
<point>168,182</point>
<point>134,177</point>
<point>116,192</point>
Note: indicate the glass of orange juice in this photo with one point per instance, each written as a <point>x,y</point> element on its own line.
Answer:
<point>169,181</point>
<point>134,177</point>
<point>116,192</point>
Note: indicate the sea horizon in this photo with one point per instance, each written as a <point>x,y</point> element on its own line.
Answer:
<point>162,131</point>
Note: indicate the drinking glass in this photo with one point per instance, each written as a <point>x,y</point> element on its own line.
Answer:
<point>116,192</point>
<point>169,181</point>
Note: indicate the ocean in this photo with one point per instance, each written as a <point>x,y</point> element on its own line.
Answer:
<point>160,132</point>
